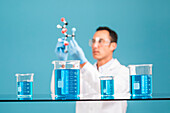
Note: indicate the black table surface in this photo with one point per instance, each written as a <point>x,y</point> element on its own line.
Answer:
<point>47,98</point>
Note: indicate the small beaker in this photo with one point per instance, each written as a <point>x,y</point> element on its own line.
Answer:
<point>67,79</point>
<point>140,80</point>
<point>24,86</point>
<point>107,87</point>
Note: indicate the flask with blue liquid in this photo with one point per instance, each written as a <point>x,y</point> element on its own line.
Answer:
<point>24,86</point>
<point>140,80</point>
<point>67,79</point>
<point>107,87</point>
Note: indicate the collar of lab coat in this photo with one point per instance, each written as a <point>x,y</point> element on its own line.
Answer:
<point>113,63</point>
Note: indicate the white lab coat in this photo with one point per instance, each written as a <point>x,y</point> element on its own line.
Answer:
<point>90,85</point>
<point>90,88</point>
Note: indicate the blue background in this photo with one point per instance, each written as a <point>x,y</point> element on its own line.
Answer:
<point>28,37</point>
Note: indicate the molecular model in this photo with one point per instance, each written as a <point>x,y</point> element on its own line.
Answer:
<point>64,31</point>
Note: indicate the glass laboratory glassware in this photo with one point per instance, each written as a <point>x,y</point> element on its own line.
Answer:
<point>107,87</point>
<point>25,86</point>
<point>140,80</point>
<point>67,79</point>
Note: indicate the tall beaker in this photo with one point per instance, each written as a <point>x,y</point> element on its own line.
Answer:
<point>67,79</point>
<point>107,87</point>
<point>141,80</point>
<point>25,86</point>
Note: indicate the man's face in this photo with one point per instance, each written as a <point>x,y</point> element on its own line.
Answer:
<point>101,50</point>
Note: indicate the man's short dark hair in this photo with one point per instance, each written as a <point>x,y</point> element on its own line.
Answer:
<point>112,33</point>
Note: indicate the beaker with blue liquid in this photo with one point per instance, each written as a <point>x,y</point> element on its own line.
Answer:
<point>25,86</point>
<point>107,87</point>
<point>67,79</point>
<point>140,80</point>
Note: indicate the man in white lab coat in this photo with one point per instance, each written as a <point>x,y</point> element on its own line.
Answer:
<point>103,44</point>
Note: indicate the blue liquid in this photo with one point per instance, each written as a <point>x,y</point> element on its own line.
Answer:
<point>107,97</point>
<point>25,98</point>
<point>107,89</point>
<point>67,83</point>
<point>141,97</point>
<point>24,89</point>
<point>141,85</point>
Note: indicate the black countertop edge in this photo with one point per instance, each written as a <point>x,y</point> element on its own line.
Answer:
<point>47,100</point>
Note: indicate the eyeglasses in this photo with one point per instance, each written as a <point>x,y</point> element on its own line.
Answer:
<point>101,42</point>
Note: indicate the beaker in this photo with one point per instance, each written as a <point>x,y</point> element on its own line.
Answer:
<point>107,87</point>
<point>25,86</point>
<point>67,79</point>
<point>140,80</point>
